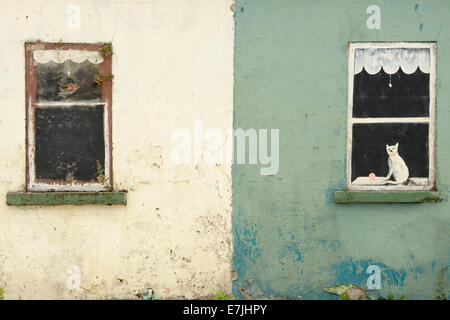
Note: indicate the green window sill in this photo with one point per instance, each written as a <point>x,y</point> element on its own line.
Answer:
<point>56,198</point>
<point>387,197</point>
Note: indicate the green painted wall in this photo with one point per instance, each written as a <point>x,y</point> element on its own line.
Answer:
<point>291,74</point>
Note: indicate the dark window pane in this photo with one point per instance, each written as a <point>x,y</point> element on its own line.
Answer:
<point>67,81</point>
<point>407,97</point>
<point>69,141</point>
<point>369,148</point>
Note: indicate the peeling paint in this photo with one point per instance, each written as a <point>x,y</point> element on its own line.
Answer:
<point>302,241</point>
<point>181,249</point>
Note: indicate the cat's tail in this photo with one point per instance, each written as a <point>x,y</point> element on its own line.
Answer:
<point>392,182</point>
<point>396,182</point>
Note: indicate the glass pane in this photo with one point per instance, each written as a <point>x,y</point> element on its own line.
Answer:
<point>67,81</point>
<point>370,157</point>
<point>69,142</point>
<point>391,95</point>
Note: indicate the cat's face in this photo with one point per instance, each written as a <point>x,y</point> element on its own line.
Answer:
<point>392,149</point>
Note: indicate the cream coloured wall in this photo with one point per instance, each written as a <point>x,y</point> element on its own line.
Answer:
<point>172,66</point>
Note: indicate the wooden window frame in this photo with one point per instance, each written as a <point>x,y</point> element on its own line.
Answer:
<point>32,183</point>
<point>431,119</point>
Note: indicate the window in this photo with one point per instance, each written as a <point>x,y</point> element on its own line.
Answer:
<point>68,104</point>
<point>391,116</point>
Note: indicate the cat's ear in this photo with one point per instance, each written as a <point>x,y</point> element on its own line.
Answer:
<point>387,146</point>
<point>396,145</point>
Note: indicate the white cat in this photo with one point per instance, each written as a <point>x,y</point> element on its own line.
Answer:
<point>397,166</point>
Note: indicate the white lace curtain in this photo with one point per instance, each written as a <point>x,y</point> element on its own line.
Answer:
<point>391,60</point>
<point>59,56</point>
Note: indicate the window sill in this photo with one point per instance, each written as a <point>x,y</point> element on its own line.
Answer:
<point>387,197</point>
<point>57,198</point>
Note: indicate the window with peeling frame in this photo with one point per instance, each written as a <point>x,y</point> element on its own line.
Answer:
<point>68,116</point>
<point>391,116</point>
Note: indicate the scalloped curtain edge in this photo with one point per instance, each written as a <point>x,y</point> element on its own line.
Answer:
<point>372,60</point>
<point>60,56</point>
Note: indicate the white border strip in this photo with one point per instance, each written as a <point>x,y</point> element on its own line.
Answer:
<point>350,75</point>
<point>69,187</point>
<point>88,103</point>
<point>390,188</point>
<point>432,128</point>
<point>391,120</point>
